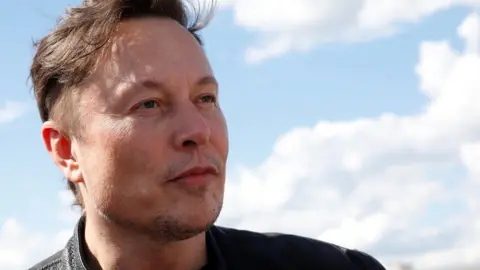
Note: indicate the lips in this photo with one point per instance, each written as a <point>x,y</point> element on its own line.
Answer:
<point>195,175</point>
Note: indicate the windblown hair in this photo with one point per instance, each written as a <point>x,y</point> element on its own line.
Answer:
<point>68,55</point>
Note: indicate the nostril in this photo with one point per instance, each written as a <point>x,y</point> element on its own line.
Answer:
<point>189,143</point>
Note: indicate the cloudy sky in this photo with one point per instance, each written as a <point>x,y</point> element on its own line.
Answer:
<point>351,121</point>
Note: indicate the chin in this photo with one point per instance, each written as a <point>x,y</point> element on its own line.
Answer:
<point>201,213</point>
<point>202,218</point>
<point>177,227</point>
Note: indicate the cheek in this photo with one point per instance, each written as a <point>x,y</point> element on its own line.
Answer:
<point>138,157</point>
<point>109,153</point>
<point>122,167</point>
<point>219,135</point>
<point>133,155</point>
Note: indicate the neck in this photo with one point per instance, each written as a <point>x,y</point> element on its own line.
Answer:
<point>112,247</point>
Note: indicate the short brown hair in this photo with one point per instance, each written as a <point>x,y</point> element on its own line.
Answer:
<point>67,55</point>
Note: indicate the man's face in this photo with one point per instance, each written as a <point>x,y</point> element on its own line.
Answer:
<point>149,114</point>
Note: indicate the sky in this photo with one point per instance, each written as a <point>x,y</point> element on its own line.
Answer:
<point>350,121</point>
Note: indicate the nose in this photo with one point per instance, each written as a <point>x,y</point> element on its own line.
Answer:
<point>191,128</point>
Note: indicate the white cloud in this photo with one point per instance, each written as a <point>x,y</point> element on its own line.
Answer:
<point>299,25</point>
<point>16,244</point>
<point>22,247</point>
<point>382,184</point>
<point>11,110</point>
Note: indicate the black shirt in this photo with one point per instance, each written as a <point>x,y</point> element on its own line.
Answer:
<point>231,249</point>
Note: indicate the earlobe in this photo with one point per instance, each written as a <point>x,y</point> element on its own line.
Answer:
<point>60,148</point>
<point>73,172</point>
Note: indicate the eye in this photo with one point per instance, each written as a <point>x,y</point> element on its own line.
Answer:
<point>149,104</point>
<point>208,99</point>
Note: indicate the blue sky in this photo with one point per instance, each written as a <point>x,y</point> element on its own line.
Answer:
<point>337,81</point>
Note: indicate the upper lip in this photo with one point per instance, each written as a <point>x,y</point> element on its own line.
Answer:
<point>197,170</point>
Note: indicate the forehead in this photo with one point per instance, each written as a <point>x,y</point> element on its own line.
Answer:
<point>153,48</point>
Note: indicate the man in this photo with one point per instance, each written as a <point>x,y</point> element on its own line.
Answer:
<point>131,117</point>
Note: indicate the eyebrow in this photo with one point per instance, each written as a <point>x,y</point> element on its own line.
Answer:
<point>152,84</point>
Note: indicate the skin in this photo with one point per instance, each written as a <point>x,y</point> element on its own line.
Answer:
<point>148,113</point>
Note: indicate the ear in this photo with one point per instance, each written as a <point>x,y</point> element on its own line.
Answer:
<point>59,145</point>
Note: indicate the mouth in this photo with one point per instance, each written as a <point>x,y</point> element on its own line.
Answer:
<point>199,175</point>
